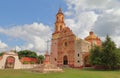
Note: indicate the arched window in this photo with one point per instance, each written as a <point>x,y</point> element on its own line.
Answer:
<point>78,54</point>
<point>57,17</point>
<point>62,18</point>
<point>56,28</point>
<point>65,44</point>
<point>60,27</point>
<point>55,59</point>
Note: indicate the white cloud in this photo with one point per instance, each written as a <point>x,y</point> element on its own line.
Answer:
<point>17,48</point>
<point>35,35</point>
<point>81,21</point>
<point>92,4</point>
<point>108,23</point>
<point>100,16</point>
<point>3,46</point>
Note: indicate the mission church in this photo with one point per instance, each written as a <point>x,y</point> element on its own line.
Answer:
<point>66,48</point>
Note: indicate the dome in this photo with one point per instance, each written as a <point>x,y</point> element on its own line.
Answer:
<point>91,36</point>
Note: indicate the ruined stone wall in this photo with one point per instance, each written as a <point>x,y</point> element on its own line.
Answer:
<point>82,48</point>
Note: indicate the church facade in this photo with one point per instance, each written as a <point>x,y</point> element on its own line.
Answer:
<point>66,48</point>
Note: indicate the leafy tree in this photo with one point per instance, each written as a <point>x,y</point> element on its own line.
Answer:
<point>40,59</point>
<point>107,55</point>
<point>1,54</point>
<point>95,56</point>
<point>27,53</point>
<point>110,57</point>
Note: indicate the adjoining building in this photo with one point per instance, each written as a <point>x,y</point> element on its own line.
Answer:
<point>66,48</point>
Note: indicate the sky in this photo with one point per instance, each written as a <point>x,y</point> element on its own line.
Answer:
<point>28,24</point>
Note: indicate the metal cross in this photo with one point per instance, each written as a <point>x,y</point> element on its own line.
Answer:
<point>47,44</point>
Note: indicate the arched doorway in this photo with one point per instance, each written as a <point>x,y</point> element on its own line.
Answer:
<point>86,61</point>
<point>10,61</point>
<point>65,60</point>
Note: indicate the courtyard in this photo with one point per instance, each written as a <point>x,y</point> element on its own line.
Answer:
<point>68,73</point>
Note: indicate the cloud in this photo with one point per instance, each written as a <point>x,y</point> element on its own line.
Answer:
<point>100,16</point>
<point>17,48</point>
<point>80,20</point>
<point>92,4</point>
<point>107,24</point>
<point>3,46</point>
<point>34,35</point>
<point>82,23</point>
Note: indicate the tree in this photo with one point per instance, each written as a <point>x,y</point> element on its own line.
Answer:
<point>40,59</point>
<point>107,55</point>
<point>95,56</point>
<point>1,54</point>
<point>110,57</point>
<point>27,53</point>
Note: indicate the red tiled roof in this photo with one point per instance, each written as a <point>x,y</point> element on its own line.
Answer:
<point>27,59</point>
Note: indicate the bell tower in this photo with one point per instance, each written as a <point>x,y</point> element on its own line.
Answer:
<point>62,44</point>
<point>59,24</point>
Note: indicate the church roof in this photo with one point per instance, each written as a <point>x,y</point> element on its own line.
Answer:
<point>91,36</point>
<point>28,59</point>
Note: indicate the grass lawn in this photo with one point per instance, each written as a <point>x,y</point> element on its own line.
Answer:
<point>68,73</point>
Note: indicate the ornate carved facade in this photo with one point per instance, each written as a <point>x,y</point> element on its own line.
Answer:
<point>66,48</point>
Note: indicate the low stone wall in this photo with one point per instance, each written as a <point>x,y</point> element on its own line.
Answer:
<point>44,68</point>
<point>28,66</point>
<point>17,63</point>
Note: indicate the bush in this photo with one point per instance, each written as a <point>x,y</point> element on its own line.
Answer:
<point>32,62</point>
<point>25,62</point>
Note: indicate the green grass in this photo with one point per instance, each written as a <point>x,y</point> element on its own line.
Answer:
<point>68,73</point>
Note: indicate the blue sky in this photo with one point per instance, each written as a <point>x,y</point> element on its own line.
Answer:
<point>20,12</point>
<point>27,24</point>
<point>17,12</point>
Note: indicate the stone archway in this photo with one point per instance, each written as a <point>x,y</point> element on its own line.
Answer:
<point>65,60</point>
<point>10,61</point>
